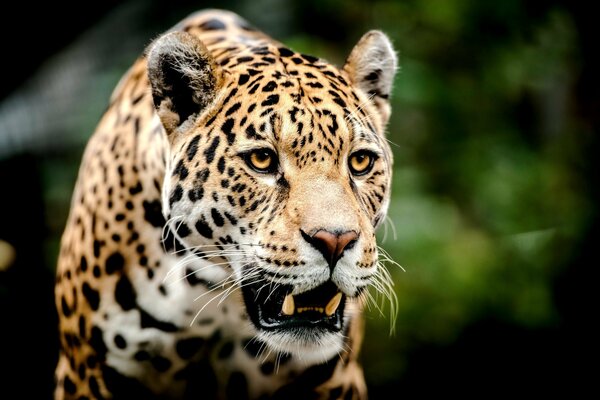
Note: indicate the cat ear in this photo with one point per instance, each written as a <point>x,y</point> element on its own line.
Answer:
<point>183,76</point>
<point>372,66</point>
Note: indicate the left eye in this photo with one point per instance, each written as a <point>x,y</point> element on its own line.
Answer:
<point>262,160</point>
<point>361,162</point>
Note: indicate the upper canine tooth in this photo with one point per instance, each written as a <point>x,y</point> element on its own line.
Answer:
<point>288,305</point>
<point>333,304</point>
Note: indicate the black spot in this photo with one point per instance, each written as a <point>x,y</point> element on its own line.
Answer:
<point>120,217</point>
<point>81,372</point>
<point>226,350</point>
<point>181,170</point>
<point>233,109</point>
<point>245,59</point>
<point>229,96</point>
<point>66,310</point>
<point>171,243</point>
<point>211,120</point>
<point>297,60</point>
<point>97,246</point>
<point>310,59</point>
<point>83,264</point>
<point>115,262</point>
<point>193,148</point>
<point>210,151</point>
<point>81,324</point>
<point>135,189</point>
<point>202,176</point>
<point>91,295</point>
<point>94,388</point>
<point>251,132</point>
<point>69,385</point>
<point>120,341</point>
<point>237,387</point>
<point>148,321</point>
<point>193,280</point>
<point>271,100</point>
<point>317,374</point>
<point>340,102</point>
<point>267,368</point>
<point>161,289</point>
<point>254,205</point>
<point>284,358</point>
<point>125,293</point>
<point>187,348</point>
<point>161,364</point>
<point>221,165</point>
<point>97,342</point>
<point>153,213</point>
<point>243,79</point>
<point>183,230</point>
<point>269,87</point>
<point>212,25</point>
<point>217,217</point>
<point>141,355</point>
<point>97,272</point>
<point>253,347</point>
<point>285,52</point>
<point>203,229</point>
<point>227,128</point>
<point>373,76</point>
<point>91,361</point>
<point>196,194</point>
<point>231,218</point>
<point>176,195</point>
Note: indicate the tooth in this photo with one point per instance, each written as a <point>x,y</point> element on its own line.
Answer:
<point>288,305</point>
<point>333,304</point>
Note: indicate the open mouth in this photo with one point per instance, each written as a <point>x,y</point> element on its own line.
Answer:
<point>320,309</point>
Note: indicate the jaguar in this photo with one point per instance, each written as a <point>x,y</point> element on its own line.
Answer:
<point>221,237</point>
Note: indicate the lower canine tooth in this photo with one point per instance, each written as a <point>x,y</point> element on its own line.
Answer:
<point>288,305</point>
<point>333,304</point>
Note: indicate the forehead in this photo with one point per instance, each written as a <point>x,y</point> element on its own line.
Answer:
<point>293,98</point>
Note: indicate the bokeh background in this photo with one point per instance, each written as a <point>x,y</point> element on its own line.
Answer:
<point>494,212</point>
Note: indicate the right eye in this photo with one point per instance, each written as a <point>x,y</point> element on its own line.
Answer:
<point>262,160</point>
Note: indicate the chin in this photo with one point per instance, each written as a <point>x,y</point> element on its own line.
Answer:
<point>307,347</point>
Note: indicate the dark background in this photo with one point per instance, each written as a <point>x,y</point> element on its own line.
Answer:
<point>494,213</point>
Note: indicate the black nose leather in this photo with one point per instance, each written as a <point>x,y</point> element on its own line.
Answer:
<point>331,244</point>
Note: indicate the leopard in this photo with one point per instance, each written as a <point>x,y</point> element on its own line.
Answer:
<point>221,238</point>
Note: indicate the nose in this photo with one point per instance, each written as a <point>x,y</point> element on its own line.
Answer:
<point>331,244</point>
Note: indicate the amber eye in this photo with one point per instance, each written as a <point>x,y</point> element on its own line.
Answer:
<point>262,160</point>
<point>361,162</point>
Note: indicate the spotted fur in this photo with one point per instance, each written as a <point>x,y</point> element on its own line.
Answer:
<point>170,225</point>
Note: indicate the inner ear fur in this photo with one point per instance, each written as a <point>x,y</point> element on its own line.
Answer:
<point>372,65</point>
<point>184,78</point>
